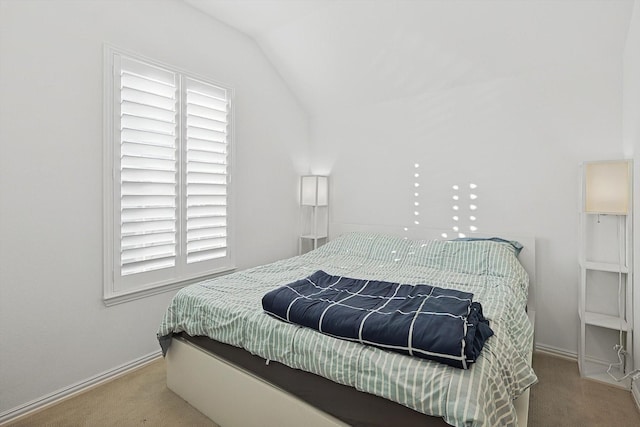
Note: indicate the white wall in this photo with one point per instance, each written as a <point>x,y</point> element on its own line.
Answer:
<point>631,138</point>
<point>55,329</point>
<point>519,139</point>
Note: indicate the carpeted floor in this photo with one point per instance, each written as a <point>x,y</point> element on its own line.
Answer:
<point>561,398</point>
<point>140,398</point>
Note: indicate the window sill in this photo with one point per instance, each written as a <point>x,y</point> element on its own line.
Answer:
<point>122,297</point>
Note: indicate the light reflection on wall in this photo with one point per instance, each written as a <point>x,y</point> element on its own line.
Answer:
<point>462,222</point>
<point>464,206</point>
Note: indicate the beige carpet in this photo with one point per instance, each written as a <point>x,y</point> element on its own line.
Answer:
<point>141,398</point>
<point>562,398</point>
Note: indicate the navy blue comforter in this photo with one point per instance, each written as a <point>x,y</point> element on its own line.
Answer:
<point>425,321</point>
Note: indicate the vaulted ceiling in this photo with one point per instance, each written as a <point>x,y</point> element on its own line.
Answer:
<point>356,52</point>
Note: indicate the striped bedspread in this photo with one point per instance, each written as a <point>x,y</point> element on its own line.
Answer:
<point>439,324</point>
<point>228,309</point>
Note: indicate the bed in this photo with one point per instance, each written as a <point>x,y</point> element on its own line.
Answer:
<point>240,366</point>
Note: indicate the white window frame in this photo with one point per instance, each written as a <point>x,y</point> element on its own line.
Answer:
<point>117,290</point>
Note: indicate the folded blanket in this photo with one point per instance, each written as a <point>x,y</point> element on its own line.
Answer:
<point>425,321</point>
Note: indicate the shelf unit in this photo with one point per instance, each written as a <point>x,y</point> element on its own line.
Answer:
<point>314,201</point>
<point>310,242</point>
<point>605,304</point>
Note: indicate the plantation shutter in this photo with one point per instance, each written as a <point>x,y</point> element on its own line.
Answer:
<point>206,171</point>
<point>148,167</point>
<point>167,197</point>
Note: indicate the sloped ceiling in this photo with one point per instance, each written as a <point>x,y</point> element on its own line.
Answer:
<point>337,54</point>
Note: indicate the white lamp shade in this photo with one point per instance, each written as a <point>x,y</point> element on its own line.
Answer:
<point>314,190</point>
<point>607,187</point>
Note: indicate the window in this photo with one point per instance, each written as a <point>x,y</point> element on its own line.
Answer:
<point>167,140</point>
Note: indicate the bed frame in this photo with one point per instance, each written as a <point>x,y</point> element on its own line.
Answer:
<point>213,385</point>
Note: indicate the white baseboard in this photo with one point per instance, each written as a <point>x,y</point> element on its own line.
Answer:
<point>557,352</point>
<point>75,389</point>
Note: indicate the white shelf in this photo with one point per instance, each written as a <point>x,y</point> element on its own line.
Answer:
<point>605,321</point>
<point>314,223</point>
<point>597,371</point>
<point>603,283</point>
<point>311,236</point>
<point>605,266</point>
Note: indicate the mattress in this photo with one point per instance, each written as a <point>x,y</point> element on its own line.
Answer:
<point>228,309</point>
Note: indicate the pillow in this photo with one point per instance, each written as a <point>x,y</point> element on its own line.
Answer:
<point>516,245</point>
